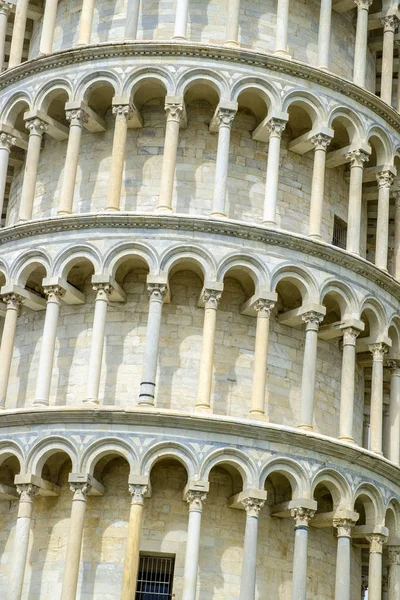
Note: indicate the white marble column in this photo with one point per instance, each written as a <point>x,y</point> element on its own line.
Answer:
<point>131,563</point>
<point>324,34</point>
<point>312,320</point>
<point>211,300</point>
<point>232,26</point>
<point>13,303</point>
<point>36,130</point>
<point>132,19</point>
<point>394,412</point>
<point>385,180</point>
<point>263,309</point>
<point>74,545</point>
<point>249,561</point>
<point>282,26</point>
<point>48,343</point>
<point>302,517</point>
<point>394,573</point>
<point>195,501</point>
<point>77,118</point>
<point>343,558</point>
<point>321,143</point>
<point>357,160</point>
<point>157,293</point>
<point>18,34</point>
<point>174,112</point>
<point>48,27</point>
<point>396,250</point>
<point>5,8</point>
<point>6,142</point>
<point>27,493</point>
<point>225,120</point>
<point>389,26</point>
<point>376,421</point>
<point>361,47</point>
<point>86,22</point>
<point>376,541</point>
<point>181,19</point>
<point>347,388</point>
<point>276,127</point>
<point>103,291</point>
<point>122,114</point>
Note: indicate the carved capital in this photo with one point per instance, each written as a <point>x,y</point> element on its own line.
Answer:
<point>363,4</point>
<point>394,366</point>
<point>138,493</point>
<point>389,23</point>
<point>253,506</point>
<point>6,141</point>
<point>264,307</point>
<point>321,141</point>
<point>36,126</point>
<point>122,111</point>
<point>312,320</point>
<point>357,158</point>
<point>76,116</point>
<point>276,127</point>
<point>385,180</point>
<point>302,516</point>
<point>378,351</point>
<point>80,490</point>
<point>394,555</point>
<point>350,334</point>
<point>27,492</point>
<point>157,291</point>
<point>13,301</point>
<point>103,290</point>
<point>195,500</point>
<point>53,293</point>
<point>174,111</point>
<point>343,526</point>
<point>5,7</point>
<point>211,298</point>
<point>225,117</point>
<point>376,541</point>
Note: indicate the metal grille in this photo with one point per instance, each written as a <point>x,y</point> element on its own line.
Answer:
<point>155,578</point>
<point>339,233</point>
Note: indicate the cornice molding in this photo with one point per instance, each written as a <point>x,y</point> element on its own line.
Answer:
<point>211,424</point>
<point>206,225</point>
<point>278,64</point>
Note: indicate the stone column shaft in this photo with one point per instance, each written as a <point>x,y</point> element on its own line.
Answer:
<point>376,421</point>
<point>36,129</point>
<point>13,303</point>
<point>347,387</point>
<point>18,34</point>
<point>150,359</point>
<point>249,562</point>
<point>5,8</point>
<point>131,564</point>
<point>118,156</point>
<point>47,348</point>
<point>232,27</point>
<point>132,19</point>
<point>77,118</point>
<point>385,180</point>
<point>195,501</point>
<point>321,143</point>
<point>394,573</point>
<point>302,517</point>
<point>375,566</point>
<point>360,53</point>
<point>282,25</point>
<point>276,128</point>
<point>211,300</point>
<point>48,27</point>
<point>324,34</point>
<point>225,117</point>
<point>263,308</point>
<point>27,492</point>
<point>357,159</point>
<point>389,26</point>
<point>97,345</point>
<point>174,113</point>
<point>6,142</point>
<point>312,320</point>
<point>396,250</point>
<point>74,545</point>
<point>343,558</point>
<point>86,22</point>
<point>181,19</point>
<point>394,412</point>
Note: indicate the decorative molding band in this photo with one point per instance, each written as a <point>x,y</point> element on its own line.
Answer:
<point>198,224</point>
<point>178,49</point>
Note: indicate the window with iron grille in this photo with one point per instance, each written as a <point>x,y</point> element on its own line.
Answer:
<point>155,577</point>
<point>339,233</point>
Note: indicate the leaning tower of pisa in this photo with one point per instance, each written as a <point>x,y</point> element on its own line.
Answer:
<point>200,285</point>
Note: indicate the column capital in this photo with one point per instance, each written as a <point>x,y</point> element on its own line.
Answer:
<point>76,116</point>
<point>385,179</point>
<point>264,307</point>
<point>321,141</point>
<point>312,319</point>
<point>394,365</point>
<point>302,516</point>
<point>103,290</point>
<point>5,7</point>
<point>6,140</point>
<point>157,291</point>
<point>389,23</point>
<point>357,158</point>
<point>36,126</point>
<point>225,116</point>
<point>378,351</point>
<point>394,555</point>
<point>350,334</point>
<point>276,127</point>
<point>27,491</point>
<point>253,506</point>
<point>376,541</point>
<point>344,526</point>
<point>80,489</point>
<point>195,500</point>
<point>211,298</point>
<point>175,111</point>
<point>122,111</point>
<point>13,301</point>
<point>53,292</point>
<point>363,4</point>
<point>138,492</point>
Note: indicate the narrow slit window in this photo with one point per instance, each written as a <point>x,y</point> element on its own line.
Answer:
<point>155,577</point>
<point>339,233</point>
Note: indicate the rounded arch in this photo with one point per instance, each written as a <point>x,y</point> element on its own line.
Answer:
<point>67,258</point>
<point>97,79</point>
<point>116,255</point>
<point>99,449</point>
<point>26,263</point>
<point>337,485</point>
<point>392,517</point>
<point>144,76</point>
<point>376,316</point>
<point>262,88</point>
<point>344,295</point>
<point>373,504</point>
<point>301,278</point>
<point>9,448</point>
<point>394,334</point>
<point>235,458</point>
<point>382,145</point>
<point>201,257</point>
<point>350,121</point>
<point>293,471</point>
<point>47,92</point>
<point>14,106</point>
<point>4,270</point>
<point>173,450</point>
<point>255,268</point>
<point>310,104</point>
<point>42,451</point>
<point>211,78</point>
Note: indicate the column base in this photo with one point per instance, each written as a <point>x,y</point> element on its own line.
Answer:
<point>259,416</point>
<point>231,44</point>
<point>38,403</point>
<point>282,54</point>
<point>145,404</point>
<point>164,209</point>
<point>91,401</point>
<point>64,213</point>
<point>315,236</point>
<point>305,427</point>
<point>179,38</point>
<point>202,408</point>
<point>218,215</point>
<point>111,209</point>
<point>378,452</point>
<point>347,439</point>
<point>269,224</point>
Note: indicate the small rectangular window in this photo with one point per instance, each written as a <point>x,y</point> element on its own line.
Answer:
<point>339,233</point>
<point>155,577</point>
